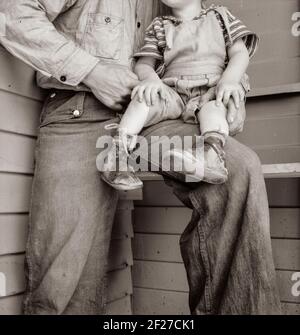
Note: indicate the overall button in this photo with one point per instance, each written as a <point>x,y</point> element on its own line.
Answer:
<point>76,113</point>
<point>108,19</point>
<point>63,78</point>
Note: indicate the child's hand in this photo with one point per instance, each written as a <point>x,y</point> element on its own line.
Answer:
<point>227,90</point>
<point>149,91</point>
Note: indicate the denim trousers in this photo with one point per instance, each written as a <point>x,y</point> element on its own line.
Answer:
<point>226,247</point>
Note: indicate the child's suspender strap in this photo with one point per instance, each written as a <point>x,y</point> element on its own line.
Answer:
<point>222,11</point>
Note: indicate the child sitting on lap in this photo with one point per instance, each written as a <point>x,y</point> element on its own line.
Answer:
<point>189,67</point>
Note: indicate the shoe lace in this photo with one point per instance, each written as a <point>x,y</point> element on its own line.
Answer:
<point>127,142</point>
<point>112,126</point>
<point>218,151</point>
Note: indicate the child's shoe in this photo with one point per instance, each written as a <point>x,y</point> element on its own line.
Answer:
<point>214,170</point>
<point>119,174</point>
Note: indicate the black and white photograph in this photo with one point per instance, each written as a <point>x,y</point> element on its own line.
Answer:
<point>149,160</point>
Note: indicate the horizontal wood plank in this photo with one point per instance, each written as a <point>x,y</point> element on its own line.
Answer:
<point>172,277</point>
<point>262,73</point>
<point>11,305</point>
<point>161,220</point>
<point>12,268</point>
<point>290,46</point>
<point>278,106</point>
<point>275,90</point>
<point>285,223</point>
<point>16,153</point>
<point>17,77</point>
<point>161,302</point>
<point>290,309</point>
<point>285,284</point>
<point>19,114</point>
<point>165,248</point>
<point>270,171</point>
<point>157,194</point>
<point>157,302</point>
<point>13,233</point>
<point>172,221</point>
<point>273,154</point>
<point>286,254</point>
<point>283,192</point>
<point>15,193</point>
<point>160,275</point>
<point>271,131</point>
<point>162,248</point>
<point>131,195</point>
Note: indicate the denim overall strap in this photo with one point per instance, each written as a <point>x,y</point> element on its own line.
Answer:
<point>195,47</point>
<point>223,12</point>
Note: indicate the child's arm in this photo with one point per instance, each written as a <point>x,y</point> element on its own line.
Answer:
<point>151,85</point>
<point>144,68</point>
<point>229,85</point>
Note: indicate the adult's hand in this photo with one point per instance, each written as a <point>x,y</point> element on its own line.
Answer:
<point>112,84</point>
<point>236,117</point>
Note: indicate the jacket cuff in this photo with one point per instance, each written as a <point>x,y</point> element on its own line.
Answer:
<point>76,68</point>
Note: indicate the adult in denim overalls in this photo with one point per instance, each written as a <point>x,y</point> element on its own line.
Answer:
<point>226,246</point>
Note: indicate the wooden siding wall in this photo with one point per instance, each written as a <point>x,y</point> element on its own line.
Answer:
<point>277,60</point>
<point>273,122</point>
<point>20,106</point>
<point>272,127</point>
<point>272,130</point>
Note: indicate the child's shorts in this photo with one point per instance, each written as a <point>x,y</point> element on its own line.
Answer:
<point>187,96</point>
<point>184,100</point>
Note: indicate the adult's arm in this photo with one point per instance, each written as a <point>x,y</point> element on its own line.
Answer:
<point>30,35</point>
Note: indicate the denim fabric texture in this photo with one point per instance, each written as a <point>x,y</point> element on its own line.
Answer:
<point>226,247</point>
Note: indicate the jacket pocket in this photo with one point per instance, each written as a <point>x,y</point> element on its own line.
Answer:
<point>104,35</point>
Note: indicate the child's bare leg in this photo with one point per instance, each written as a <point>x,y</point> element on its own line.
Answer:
<point>135,117</point>
<point>213,119</point>
<point>120,175</point>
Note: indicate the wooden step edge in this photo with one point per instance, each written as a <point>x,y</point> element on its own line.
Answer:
<point>289,170</point>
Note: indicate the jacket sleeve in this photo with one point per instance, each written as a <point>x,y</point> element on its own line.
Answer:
<point>29,34</point>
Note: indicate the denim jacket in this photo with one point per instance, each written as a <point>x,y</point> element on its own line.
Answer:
<point>64,39</point>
